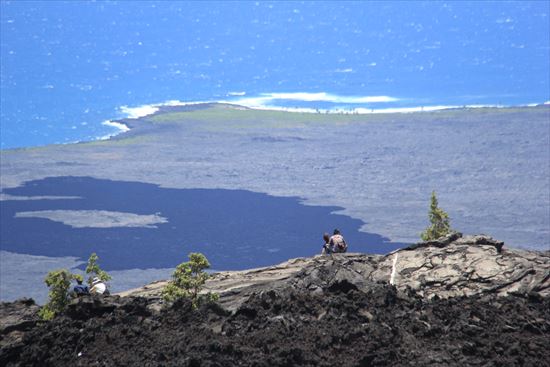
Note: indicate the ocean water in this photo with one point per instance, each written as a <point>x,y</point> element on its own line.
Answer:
<point>68,68</point>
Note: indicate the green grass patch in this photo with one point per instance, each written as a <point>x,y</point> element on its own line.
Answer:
<point>228,117</point>
<point>231,117</point>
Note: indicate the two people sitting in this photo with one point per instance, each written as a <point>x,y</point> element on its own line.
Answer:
<point>334,243</point>
<point>98,287</point>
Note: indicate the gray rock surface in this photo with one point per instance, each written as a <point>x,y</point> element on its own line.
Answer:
<point>450,267</point>
<point>15,319</point>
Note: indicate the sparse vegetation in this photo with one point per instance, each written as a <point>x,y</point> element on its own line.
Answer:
<point>94,270</point>
<point>188,280</point>
<point>59,282</point>
<point>224,118</point>
<point>439,222</point>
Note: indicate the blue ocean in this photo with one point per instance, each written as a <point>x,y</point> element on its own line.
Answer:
<point>68,68</point>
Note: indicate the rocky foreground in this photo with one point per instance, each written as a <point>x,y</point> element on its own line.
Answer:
<point>457,301</point>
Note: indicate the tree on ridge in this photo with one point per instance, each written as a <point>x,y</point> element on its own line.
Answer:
<point>439,222</point>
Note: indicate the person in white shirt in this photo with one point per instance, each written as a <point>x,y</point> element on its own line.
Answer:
<point>98,287</point>
<point>337,242</point>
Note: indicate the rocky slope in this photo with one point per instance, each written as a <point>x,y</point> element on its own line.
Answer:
<point>457,301</point>
<point>453,266</point>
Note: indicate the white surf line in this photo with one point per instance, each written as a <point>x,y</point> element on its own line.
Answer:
<point>392,276</point>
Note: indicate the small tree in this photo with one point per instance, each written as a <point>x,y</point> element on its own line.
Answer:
<point>188,280</point>
<point>94,270</point>
<point>440,222</point>
<point>59,282</point>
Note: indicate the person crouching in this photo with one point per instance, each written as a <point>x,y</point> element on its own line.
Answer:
<point>337,242</point>
<point>327,248</point>
<point>98,287</point>
<point>80,289</point>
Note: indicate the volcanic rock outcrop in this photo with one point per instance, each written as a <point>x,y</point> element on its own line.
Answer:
<point>452,266</point>
<point>457,301</point>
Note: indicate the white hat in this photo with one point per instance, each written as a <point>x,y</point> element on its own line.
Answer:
<point>96,280</point>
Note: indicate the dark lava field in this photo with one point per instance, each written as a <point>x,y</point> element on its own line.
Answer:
<point>341,326</point>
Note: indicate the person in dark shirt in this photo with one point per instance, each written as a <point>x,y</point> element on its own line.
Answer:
<point>80,289</point>
<point>327,248</point>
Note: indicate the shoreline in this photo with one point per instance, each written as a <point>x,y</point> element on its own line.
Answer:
<point>136,113</point>
<point>139,112</point>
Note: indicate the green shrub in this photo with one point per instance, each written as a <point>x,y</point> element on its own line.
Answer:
<point>46,313</point>
<point>439,222</point>
<point>59,282</point>
<point>94,270</point>
<point>188,280</point>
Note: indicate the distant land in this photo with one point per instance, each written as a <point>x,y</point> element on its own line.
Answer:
<point>489,167</point>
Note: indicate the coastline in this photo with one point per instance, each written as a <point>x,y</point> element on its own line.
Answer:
<point>138,112</point>
<point>130,114</point>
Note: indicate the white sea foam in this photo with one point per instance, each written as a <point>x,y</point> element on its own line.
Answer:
<point>140,111</point>
<point>120,126</point>
<point>172,102</point>
<point>347,70</point>
<point>327,97</point>
<point>535,104</point>
<point>290,109</point>
<point>268,101</point>
<point>363,111</point>
<point>182,103</point>
<point>104,137</point>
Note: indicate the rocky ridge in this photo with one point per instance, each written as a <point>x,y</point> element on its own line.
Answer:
<point>456,301</point>
<point>449,267</point>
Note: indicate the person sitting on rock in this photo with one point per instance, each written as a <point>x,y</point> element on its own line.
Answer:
<point>80,289</point>
<point>337,242</point>
<point>98,287</point>
<point>327,249</point>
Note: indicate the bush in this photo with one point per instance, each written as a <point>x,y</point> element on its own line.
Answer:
<point>440,222</point>
<point>94,270</point>
<point>46,313</point>
<point>188,280</point>
<point>59,282</point>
